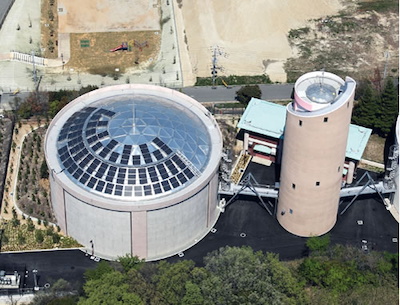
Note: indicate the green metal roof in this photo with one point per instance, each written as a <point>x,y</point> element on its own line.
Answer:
<point>264,117</point>
<point>269,119</point>
<point>357,141</point>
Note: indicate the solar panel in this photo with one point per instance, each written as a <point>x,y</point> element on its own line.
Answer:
<point>121,173</point>
<point>103,134</point>
<point>114,156</point>
<point>136,160</point>
<point>101,170</point>
<point>92,182</point>
<point>104,152</point>
<point>138,191</point>
<point>97,146</point>
<point>128,191</point>
<point>118,190</point>
<point>171,167</point>
<point>182,178</point>
<point>109,188</point>
<point>147,190</point>
<point>166,185</point>
<point>157,188</point>
<point>78,173</point>
<point>174,182</point>
<point>111,173</point>
<point>158,155</point>
<point>188,173</point>
<point>147,158</point>
<point>100,186</point>
<point>102,123</point>
<point>72,167</point>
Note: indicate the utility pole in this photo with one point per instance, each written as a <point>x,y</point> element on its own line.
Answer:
<point>34,72</point>
<point>216,52</point>
<point>386,64</point>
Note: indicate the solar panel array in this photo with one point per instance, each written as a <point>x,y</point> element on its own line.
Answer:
<point>103,149</point>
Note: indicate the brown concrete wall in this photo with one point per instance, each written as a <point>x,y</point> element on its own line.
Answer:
<point>312,153</point>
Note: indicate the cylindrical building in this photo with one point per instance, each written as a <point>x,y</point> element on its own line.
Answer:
<point>314,148</point>
<point>134,170</point>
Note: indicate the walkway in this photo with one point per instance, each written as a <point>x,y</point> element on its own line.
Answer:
<point>12,174</point>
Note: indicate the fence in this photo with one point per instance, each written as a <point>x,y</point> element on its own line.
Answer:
<point>29,58</point>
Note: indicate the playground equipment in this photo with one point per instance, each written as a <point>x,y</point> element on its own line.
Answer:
<point>225,84</point>
<point>140,45</point>
<point>122,47</point>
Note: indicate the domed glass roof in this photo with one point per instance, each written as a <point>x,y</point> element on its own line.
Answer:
<point>321,93</point>
<point>133,146</point>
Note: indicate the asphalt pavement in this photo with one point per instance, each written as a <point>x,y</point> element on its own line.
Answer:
<point>52,265</point>
<point>246,222</point>
<point>5,5</point>
<point>270,92</point>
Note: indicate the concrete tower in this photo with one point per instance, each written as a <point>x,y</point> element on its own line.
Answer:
<point>315,137</point>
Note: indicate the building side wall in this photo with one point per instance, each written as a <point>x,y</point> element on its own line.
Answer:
<point>213,201</point>
<point>58,202</point>
<point>139,234</point>
<point>312,164</point>
<point>109,230</point>
<point>176,228</point>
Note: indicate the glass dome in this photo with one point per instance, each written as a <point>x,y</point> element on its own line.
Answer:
<point>321,93</point>
<point>134,146</point>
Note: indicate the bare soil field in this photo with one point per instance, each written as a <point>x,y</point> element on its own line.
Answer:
<point>87,16</point>
<point>90,29</point>
<point>90,52</point>
<point>251,35</point>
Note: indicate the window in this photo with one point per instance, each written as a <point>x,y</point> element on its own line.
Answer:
<point>293,186</point>
<point>325,119</point>
<point>300,122</point>
<point>290,211</point>
<point>338,169</point>
<point>317,183</point>
<point>348,104</point>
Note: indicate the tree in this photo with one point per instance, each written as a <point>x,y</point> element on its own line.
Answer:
<point>110,289</point>
<point>171,278</point>
<point>244,94</point>
<point>44,171</point>
<point>389,108</point>
<point>129,262</point>
<point>101,269</point>
<point>193,294</point>
<point>318,243</point>
<point>366,111</point>
<point>39,236</point>
<point>241,276</point>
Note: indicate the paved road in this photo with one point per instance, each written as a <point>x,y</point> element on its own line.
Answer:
<point>270,92</point>
<point>51,265</point>
<point>4,8</point>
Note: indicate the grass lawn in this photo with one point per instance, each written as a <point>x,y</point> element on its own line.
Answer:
<point>374,149</point>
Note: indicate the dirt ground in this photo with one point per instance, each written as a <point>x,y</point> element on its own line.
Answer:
<point>251,35</point>
<point>77,16</point>
<point>95,57</point>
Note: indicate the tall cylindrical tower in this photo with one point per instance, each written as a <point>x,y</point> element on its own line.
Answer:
<point>314,147</point>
